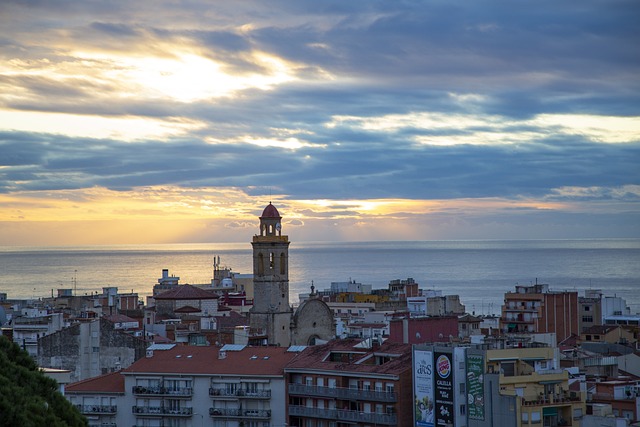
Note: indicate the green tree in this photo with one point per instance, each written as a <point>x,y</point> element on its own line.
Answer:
<point>27,396</point>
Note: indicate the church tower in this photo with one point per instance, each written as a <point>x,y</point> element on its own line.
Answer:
<point>271,311</point>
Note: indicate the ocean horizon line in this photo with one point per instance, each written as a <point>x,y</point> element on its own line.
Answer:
<point>241,245</point>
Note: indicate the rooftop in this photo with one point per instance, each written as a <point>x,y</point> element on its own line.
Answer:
<point>186,292</point>
<point>351,356</point>
<point>255,361</point>
<point>108,383</point>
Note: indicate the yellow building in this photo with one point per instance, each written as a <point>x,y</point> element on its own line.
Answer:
<point>533,375</point>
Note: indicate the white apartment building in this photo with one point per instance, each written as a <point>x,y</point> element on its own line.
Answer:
<point>183,386</point>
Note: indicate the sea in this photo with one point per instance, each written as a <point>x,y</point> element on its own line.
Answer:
<point>479,271</point>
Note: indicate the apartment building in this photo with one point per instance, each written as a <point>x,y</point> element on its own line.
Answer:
<point>350,383</point>
<point>183,386</point>
<point>536,309</point>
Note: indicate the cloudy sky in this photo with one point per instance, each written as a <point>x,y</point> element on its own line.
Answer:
<point>178,121</point>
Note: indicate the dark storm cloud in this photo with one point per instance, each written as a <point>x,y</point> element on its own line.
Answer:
<point>352,59</point>
<point>365,170</point>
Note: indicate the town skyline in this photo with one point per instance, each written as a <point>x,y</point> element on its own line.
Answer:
<point>163,123</point>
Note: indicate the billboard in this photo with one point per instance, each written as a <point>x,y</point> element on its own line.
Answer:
<point>475,386</point>
<point>444,393</point>
<point>423,388</point>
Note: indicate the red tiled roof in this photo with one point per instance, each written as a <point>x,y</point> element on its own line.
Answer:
<point>270,212</point>
<point>186,292</point>
<point>231,321</point>
<point>316,358</point>
<point>260,361</point>
<point>108,383</point>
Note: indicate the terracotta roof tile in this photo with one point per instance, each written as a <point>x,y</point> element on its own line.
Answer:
<point>186,292</point>
<point>317,358</point>
<point>108,383</point>
<point>262,361</point>
<point>270,212</point>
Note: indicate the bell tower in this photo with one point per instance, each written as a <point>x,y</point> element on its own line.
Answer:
<point>271,311</point>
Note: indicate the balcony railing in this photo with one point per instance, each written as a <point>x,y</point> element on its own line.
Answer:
<point>240,413</point>
<point>343,393</point>
<point>242,394</point>
<point>97,409</point>
<point>551,400</point>
<point>344,415</point>
<point>161,410</point>
<point>162,391</point>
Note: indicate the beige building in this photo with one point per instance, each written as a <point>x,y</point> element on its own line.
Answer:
<point>541,388</point>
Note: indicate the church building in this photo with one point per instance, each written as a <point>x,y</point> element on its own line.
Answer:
<point>271,312</point>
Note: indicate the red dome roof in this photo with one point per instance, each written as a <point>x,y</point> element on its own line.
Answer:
<point>270,212</point>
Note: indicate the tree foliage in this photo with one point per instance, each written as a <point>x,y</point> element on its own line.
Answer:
<point>27,396</point>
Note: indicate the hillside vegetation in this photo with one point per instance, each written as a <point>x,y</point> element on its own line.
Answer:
<point>27,396</point>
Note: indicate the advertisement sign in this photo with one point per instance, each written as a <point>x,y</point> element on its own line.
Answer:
<point>444,410</point>
<point>475,386</point>
<point>423,388</point>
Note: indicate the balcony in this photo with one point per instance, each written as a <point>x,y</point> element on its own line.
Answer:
<point>343,415</point>
<point>240,394</point>
<point>161,410</point>
<point>253,414</point>
<point>552,400</point>
<point>97,409</point>
<point>162,391</point>
<point>343,393</point>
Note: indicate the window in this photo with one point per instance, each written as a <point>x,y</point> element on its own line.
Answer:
<point>587,319</point>
<point>587,308</point>
<point>463,409</point>
<point>525,417</point>
<point>535,417</point>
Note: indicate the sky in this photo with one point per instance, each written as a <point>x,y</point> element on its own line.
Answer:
<point>162,121</point>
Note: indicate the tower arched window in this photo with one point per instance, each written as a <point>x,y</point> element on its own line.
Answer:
<point>283,264</point>
<point>272,260</point>
<point>260,264</point>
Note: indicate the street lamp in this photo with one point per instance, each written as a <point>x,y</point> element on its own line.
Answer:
<point>201,419</point>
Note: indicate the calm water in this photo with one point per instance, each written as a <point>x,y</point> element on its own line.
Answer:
<point>479,271</point>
